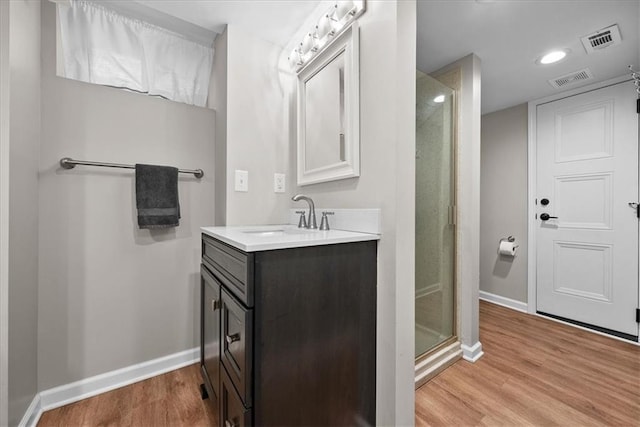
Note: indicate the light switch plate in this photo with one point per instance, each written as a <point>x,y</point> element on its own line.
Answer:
<point>242,181</point>
<point>279,182</point>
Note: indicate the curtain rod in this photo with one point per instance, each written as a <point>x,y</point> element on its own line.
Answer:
<point>69,163</point>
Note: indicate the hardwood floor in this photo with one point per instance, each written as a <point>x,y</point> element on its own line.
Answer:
<point>172,399</point>
<point>536,372</point>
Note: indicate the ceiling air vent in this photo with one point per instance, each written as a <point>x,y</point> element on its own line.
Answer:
<point>571,78</point>
<point>602,39</point>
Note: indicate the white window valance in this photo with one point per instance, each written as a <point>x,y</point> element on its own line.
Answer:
<point>103,47</point>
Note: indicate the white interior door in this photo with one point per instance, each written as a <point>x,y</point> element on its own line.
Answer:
<point>587,170</point>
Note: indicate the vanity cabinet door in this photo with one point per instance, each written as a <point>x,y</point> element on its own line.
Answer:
<point>210,330</point>
<point>232,412</point>
<point>237,345</point>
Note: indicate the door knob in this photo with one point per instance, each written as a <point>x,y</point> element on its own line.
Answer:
<point>546,217</point>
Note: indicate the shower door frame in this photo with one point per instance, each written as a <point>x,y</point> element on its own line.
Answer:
<point>4,212</point>
<point>455,76</point>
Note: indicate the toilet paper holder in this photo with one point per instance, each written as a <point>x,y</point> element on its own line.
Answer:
<point>509,239</point>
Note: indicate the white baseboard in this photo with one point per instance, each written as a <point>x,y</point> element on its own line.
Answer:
<point>473,353</point>
<point>432,365</point>
<point>92,386</point>
<point>504,301</point>
<point>32,414</point>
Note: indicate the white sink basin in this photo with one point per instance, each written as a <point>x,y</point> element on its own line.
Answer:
<point>265,233</point>
<point>270,232</point>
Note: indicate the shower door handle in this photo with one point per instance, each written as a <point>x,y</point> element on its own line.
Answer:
<point>451,215</point>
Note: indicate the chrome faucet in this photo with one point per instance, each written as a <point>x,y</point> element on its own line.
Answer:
<point>311,222</point>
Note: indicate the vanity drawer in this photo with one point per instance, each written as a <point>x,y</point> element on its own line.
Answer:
<point>232,412</point>
<point>237,345</point>
<point>234,267</point>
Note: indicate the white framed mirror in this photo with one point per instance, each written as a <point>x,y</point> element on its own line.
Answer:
<point>329,112</point>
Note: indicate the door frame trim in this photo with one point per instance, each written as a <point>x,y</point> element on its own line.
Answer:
<point>532,178</point>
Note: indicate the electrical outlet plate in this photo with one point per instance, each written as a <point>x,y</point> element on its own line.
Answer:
<point>279,183</point>
<point>242,181</point>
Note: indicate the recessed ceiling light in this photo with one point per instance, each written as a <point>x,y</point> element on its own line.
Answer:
<point>439,99</point>
<point>553,56</point>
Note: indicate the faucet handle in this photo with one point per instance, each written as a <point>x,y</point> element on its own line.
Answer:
<point>324,222</point>
<point>302,222</point>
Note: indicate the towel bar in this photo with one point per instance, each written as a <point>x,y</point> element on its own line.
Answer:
<point>69,163</point>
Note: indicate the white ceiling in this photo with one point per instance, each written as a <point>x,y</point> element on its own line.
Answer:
<point>509,36</point>
<point>272,20</point>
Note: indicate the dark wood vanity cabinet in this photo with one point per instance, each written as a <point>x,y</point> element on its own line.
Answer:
<point>210,332</point>
<point>288,335</point>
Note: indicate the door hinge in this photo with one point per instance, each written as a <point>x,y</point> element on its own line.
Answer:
<point>637,315</point>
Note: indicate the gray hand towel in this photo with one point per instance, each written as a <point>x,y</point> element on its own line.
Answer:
<point>157,196</point>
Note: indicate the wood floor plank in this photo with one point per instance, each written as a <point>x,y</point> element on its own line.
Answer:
<point>537,372</point>
<point>172,399</point>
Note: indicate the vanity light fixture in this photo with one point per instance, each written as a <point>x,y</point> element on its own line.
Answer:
<point>439,99</point>
<point>338,17</point>
<point>295,59</point>
<point>552,57</point>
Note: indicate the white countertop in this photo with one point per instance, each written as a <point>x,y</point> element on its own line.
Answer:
<point>268,237</point>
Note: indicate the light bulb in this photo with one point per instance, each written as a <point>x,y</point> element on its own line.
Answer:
<point>324,27</point>
<point>307,43</point>
<point>295,59</point>
<point>343,8</point>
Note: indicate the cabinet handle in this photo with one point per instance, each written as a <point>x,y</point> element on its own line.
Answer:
<point>232,338</point>
<point>228,423</point>
<point>215,304</point>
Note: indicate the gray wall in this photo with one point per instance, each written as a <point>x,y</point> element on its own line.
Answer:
<point>257,123</point>
<point>250,96</point>
<point>260,138</point>
<point>24,135</point>
<point>503,210</point>
<point>387,181</point>
<point>111,295</point>
<point>218,101</point>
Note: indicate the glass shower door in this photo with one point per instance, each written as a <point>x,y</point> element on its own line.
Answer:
<point>435,201</point>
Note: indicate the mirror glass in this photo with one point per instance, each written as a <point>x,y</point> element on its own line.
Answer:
<point>328,113</point>
<point>324,125</point>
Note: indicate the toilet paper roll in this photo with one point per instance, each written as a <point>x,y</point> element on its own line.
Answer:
<point>507,248</point>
